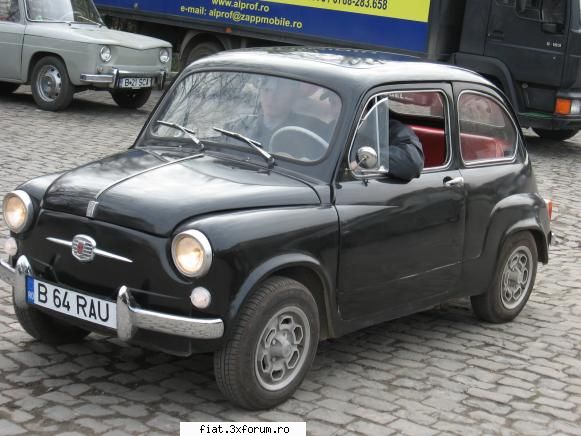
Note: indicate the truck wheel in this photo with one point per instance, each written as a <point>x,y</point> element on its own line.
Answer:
<point>556,135</point>
<point>272,346</point>
<point>47,329</point>
<point>131,99</point>
<point>198,51</point>
<point>513,281</point>
<point>51,87</point>
<point>8,88</point>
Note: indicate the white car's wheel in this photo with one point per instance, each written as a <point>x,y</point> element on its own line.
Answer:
<point>51,87</point>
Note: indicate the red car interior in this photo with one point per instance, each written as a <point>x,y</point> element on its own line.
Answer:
<point>474,147</point>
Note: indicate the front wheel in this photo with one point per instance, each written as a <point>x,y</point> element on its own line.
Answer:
<point>513,281</point>
<point>556,135</point>
<point>7,88</point>
<point>51,87</point>
<point>131,99</point>
<point>272,346</point>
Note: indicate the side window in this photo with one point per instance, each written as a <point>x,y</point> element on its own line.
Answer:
<point>425,112</point>
<point>9,10</point>
<point>402,119</point>
<point>486,130</point>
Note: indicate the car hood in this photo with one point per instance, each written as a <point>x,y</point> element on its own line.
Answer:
<point>92,34</point>
<point>140,190</point>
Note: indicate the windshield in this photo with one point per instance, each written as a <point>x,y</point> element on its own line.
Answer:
<point>81,11</point>
<point>288,118</point>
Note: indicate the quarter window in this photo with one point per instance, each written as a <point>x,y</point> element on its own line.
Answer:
<point>9,10</point>
<point>486,130</point>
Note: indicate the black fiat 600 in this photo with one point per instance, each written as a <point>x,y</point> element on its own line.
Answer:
<point>261,210</point>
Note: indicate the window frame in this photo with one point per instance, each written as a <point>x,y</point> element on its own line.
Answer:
<point>447,129</point>
<point>494,161</point>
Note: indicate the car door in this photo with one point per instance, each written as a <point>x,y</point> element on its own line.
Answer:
<point>492,166</point>
<point>401,242</point>
<point>11,39</point>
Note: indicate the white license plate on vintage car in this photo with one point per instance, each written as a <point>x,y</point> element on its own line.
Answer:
<point>75,304</point>
<point>135,82</point>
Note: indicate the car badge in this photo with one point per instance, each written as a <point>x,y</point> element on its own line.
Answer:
<point>83,248</point>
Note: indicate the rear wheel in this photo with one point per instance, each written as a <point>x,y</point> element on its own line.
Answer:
<point>556,135</point>
<point>513,281</point>
<point>8,88</point>
<point>200,50</point>
<point>50,85</point>
<point>272,346</point>
<point>131,99</point>
<point>47,329</point>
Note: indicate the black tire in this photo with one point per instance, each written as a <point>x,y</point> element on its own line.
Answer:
<point>198,51</point>
<point>131,99</point>
<point>494,306</point>
<point>47,329</point>
<point>7,88</point>
<point>51,87</point>
<point>236,365</point>
<point>556,135</point>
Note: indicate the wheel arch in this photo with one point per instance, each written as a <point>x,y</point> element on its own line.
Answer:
<point>194,37</point>
<point>297,266</point>
<point>38,56</point>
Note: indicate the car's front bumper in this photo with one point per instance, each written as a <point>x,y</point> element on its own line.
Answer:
<point>130,318</point>
<point>112,80</point>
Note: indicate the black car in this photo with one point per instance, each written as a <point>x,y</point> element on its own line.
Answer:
<point>257,214</point>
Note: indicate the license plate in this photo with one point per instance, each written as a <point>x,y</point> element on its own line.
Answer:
<point>135,82</point>
<point>71,303</point>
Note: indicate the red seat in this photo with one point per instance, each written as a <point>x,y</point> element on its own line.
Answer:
<point>434,144</point>
<point>476,147</point>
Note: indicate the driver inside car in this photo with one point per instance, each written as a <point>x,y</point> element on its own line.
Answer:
<point>277,102</point>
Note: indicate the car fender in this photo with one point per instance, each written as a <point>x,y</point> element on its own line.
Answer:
<point>513,214</point>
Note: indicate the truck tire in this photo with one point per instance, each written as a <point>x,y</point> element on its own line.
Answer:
<point>131,99</point>
<point>513,281</point>
<point>47,329</point>
<point>271,347</point>
<point>198,51</point>
<point>7,88</point>
<point>556,135</point>
<point>51,87</point>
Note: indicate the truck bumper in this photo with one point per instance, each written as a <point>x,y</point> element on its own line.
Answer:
<point>130,318</point>
<point>112,80</point>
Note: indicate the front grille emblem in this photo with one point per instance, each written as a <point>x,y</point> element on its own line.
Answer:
<point>83,248</point>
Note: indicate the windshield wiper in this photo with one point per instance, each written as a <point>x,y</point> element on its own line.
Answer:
<point>90,21</point>
<point>251,142</point>
<point>191,134</point>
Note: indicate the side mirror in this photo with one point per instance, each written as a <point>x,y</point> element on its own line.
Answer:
<point>367,158</point>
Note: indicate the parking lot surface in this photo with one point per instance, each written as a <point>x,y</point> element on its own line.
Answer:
<point>438,372</point>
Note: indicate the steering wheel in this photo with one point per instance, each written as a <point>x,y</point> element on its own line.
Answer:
<point>312,148</point>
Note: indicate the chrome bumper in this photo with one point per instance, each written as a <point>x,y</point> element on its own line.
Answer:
<point>113,78</point>
<point>130,318</point>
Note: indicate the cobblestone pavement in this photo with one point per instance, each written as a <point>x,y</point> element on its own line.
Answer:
<point>441,371</point>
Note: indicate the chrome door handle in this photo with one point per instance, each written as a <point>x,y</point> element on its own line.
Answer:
<point>457,181</point>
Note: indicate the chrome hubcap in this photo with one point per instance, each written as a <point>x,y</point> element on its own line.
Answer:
<point>516,277</point>
<point>49,83</point>
<point>282,348</point>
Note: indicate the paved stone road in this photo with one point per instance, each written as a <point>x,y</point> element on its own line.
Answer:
<point>437,372</point>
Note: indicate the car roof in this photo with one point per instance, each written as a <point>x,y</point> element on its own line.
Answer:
<point>337,68</point>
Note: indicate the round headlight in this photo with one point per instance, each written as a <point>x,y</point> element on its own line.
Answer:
<point>164,55</point>
<point>17,209</point>
<point>105,53</point>
<point>192,253</point>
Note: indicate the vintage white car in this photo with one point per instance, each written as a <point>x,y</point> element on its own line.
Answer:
<point>60,47</point>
